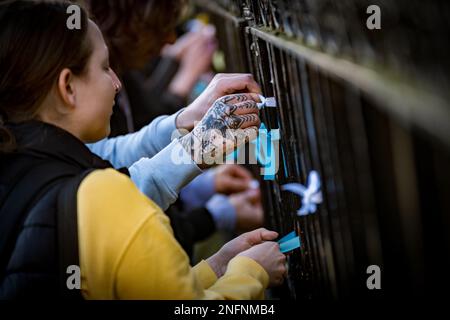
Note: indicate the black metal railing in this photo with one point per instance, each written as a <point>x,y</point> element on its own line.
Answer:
<point>368,110</point>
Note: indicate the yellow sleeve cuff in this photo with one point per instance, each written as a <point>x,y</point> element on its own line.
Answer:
<point>204,274</point>
<point>245,265</point>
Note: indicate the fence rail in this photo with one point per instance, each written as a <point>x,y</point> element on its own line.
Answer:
<point>349,108</point>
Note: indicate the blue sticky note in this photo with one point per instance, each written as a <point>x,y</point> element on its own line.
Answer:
<point>290,245</point>
<point>287,237</point>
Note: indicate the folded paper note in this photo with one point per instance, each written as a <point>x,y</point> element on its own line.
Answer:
<point>290,245</point>
<point>268,102</point>
<point>289,242</point>
<point>311,194</point>
<point>287,237</point>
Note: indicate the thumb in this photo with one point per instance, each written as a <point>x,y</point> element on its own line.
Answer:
<point>234,185</point>
<point>260,235</point>
<point>240,172</point>
<point>252,195</point>
<point>268,235</point>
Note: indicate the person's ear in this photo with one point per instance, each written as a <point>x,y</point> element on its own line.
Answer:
<point>66,88</point>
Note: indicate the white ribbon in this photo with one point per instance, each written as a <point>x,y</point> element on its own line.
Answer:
<point>311,195</point>
<point>268,102</point>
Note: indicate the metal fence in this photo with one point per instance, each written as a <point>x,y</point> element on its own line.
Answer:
<point>368,110</point>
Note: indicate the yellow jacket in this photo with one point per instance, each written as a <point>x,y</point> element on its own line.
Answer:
<point>127,250</point>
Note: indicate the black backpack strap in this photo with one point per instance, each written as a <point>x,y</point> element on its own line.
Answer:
<point>67,233</point>
<point>15,209</point>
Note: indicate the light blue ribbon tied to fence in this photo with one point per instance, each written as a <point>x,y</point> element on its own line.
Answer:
<point>289,242</point>
<point>311,193</point>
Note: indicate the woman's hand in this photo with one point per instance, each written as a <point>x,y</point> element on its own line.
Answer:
<point>232,121</point>
<point>245,241</point>
<point>249,211</point>
<point>179,50</point>
<point>194,51</point>
<point>231,178</point>
<point>269,256</point>
<point>222,84</point>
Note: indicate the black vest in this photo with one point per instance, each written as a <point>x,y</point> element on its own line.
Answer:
<point>38,221</point>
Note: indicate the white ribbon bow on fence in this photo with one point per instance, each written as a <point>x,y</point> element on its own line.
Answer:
<point>311,194</point>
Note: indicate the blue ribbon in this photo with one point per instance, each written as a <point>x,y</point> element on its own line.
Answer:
<point>289,242</point>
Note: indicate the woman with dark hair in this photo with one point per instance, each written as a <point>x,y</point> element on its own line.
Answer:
<point>62,207</point>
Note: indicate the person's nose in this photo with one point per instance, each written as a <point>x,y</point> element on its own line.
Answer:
<point>116,82</point>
